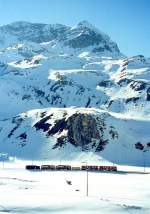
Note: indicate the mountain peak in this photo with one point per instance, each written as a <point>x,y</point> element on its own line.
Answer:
<point>85,23</point>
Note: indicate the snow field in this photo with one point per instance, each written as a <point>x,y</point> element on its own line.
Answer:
<point>24,191</point>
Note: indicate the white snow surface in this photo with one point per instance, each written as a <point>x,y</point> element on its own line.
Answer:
<point>122,192</point>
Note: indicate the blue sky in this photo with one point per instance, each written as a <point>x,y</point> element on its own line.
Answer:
<point>125,21</point>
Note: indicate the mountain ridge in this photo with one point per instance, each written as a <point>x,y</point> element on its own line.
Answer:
<point>38,32</point>
<point>76,71</point>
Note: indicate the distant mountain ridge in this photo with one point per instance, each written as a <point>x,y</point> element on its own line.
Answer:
<point>81,36</point>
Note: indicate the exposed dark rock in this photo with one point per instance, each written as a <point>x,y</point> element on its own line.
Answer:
<point>105,83</point>
<point>98,49</point>
<point>39,93</point>
<point>148,94</point>
<point>107,48</point>
<point>101,145</point>
<point>139,146</point>
<point>80,91</point>
<point>138,85</point>
<point>60,142</point>
<point>3,68</point>
<point>23,136</point>
<point>26,97</point>
<point>22,144</point>
<point>17,121</point>
<point>58,127</point>
<point>148,144</point>
<point>82,128</point>
<point>132,99</point>
<point>136,58</point>
<point>113,133</point>
<point>88,103</point>
<point>59,84</point>
<point>110,103</point>
<point>42,123</point>
<point>124,82</point>
<point>56,99</point>
<point>43,114</point>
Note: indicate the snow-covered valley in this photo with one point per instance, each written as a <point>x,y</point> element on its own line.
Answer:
<point>22,191</point>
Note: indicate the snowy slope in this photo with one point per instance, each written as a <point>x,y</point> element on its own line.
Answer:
<point>58,67</point>
<point>63,134</point>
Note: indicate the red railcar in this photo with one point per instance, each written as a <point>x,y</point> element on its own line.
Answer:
<point>63,167</point>
<point>114,168</point>
<point>107,168</point>
<point>48,167</point>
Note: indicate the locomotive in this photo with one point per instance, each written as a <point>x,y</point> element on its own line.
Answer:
<point>33,167</point>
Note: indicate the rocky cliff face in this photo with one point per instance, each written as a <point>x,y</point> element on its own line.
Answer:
<point>67,133</point>
<point>81,130</point>
<point>85,95</point>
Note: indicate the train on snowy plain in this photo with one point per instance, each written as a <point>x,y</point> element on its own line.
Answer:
<point>73,168</point>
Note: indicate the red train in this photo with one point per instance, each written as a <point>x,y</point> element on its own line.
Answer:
<point>73,168</point>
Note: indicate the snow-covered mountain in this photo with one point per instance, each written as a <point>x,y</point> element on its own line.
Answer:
<point>69,91</point>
